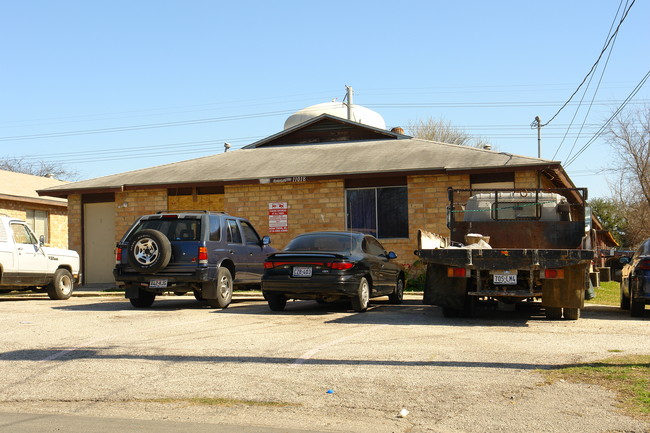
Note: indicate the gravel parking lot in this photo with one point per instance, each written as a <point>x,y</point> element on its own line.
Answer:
<point>313,366</point>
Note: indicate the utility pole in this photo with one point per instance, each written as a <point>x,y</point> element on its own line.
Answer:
<point>349,91</point>
<point>538,124</point>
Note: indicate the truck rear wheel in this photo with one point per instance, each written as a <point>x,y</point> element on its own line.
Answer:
<point>450,312</point>
<point>553,313</point>
<point>61,286</point>
<point>572,313</point>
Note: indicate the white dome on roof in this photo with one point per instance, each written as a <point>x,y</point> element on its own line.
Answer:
<point>339,109</point>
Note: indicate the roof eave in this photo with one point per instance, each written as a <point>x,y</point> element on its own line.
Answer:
<point>34,200</point>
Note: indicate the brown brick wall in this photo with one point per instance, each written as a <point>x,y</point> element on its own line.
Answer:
<point>129,205</point>
<point>312,206</point>
<point>74,222</point>
<point>58,219</point>
<point>427,209</point>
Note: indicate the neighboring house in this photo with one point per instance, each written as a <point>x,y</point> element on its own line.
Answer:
<point>47,216</point>
<point>326,173</point>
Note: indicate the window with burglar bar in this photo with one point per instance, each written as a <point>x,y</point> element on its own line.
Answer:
<point>381,212</point>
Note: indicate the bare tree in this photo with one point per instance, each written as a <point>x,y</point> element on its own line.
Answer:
<point>629,136</point>
<point>442,131</point>
<point>38,168</point>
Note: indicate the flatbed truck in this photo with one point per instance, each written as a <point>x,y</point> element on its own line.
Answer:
<point>511,246</point>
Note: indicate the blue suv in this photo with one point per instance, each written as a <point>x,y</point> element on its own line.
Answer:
<point>205,252</point>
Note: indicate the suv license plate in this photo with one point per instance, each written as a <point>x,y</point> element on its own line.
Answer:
<point>505,279</point>
<point>158,284</point>
<point>301,271</point>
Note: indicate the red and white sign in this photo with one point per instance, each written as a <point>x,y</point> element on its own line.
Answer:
<point>278,218</point>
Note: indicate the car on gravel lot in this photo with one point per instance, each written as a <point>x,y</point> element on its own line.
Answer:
<point>205,252</point>
<point>635,281</point>
<point>329,266</point>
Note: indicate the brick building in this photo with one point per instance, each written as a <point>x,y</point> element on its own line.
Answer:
<point>47,216</point>
<point>332,174</point>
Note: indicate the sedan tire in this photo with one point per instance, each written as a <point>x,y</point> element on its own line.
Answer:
<point>362,299</point>
<point>276,302</point>
<point>398,293</point>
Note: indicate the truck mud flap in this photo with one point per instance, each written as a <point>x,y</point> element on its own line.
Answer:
<point>568,292</point>
<point>443,291</point>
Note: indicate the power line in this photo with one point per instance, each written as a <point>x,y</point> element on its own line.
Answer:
<point>146,126</point>
<point>594,65</point>
<point>278,113</point>
<point>602,128</point>
<point>602,74</point>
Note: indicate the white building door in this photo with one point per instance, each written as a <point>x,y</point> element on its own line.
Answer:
<point>99,242</point>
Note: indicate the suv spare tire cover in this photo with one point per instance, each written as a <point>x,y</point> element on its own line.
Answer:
<point>149,251</point>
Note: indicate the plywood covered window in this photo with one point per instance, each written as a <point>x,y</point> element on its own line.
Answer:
<point>501,180</point>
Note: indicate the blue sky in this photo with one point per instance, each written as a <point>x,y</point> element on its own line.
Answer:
<point>111,86</point>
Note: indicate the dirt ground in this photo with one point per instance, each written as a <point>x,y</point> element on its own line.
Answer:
<point>313,367</point>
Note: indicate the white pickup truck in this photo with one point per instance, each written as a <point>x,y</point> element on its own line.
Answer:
<point>27,264</point>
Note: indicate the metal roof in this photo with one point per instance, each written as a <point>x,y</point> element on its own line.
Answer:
<point>339,159</point>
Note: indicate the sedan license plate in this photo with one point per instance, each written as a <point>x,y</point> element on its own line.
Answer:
<point>505,279</point>
<point>301,271</point>
<point>158,284</point>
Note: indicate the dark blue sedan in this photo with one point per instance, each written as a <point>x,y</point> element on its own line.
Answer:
<point>635,281</point>
<point>329,266</point>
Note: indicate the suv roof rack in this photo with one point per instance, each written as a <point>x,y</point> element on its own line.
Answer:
<point>191,211</point>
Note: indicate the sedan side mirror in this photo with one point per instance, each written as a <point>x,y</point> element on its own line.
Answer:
<point>41,240</point>
<point>266,240</point>
<point>391,255</point>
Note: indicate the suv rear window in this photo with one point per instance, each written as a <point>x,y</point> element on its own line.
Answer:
<point>174,229</point>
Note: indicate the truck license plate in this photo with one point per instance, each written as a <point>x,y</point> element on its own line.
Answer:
<point>302,271</point>
<point>505,279</point>
<point>158,284</point>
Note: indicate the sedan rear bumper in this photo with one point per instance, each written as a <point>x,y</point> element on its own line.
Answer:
<point>312,288</point>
